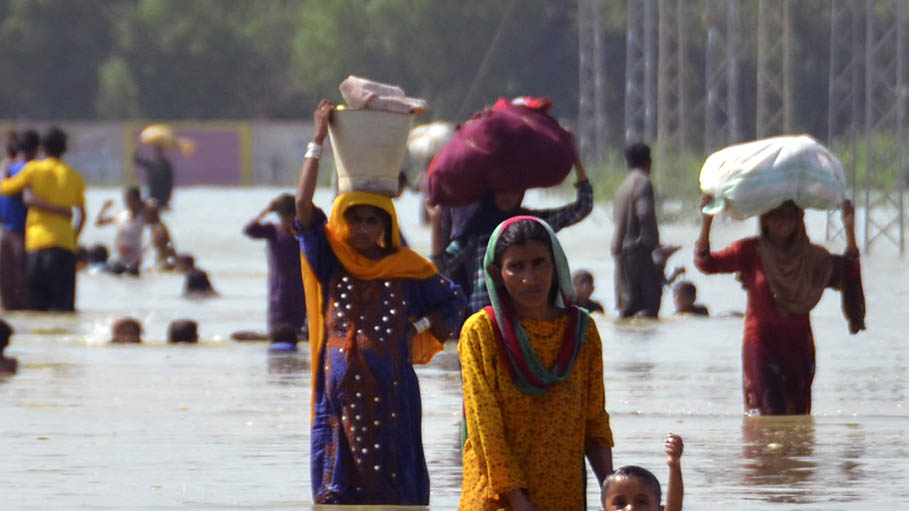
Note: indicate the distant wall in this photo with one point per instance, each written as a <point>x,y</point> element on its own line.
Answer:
<point>227,152</point>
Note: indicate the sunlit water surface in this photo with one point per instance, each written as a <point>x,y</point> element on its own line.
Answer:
<point>222,424</point>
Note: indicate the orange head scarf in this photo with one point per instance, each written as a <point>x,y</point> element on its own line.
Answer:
<point>403,263</point>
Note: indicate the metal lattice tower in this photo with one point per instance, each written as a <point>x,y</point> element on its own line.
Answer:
<point>844,97</point>
<point>640,71</point>
<point>671,72</point>
<point>885,122</point>
<point>721,74</point>
<point>774,76</point>
<point>592,82</point>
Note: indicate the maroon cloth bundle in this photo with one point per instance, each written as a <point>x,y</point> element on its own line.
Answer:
<point>508,147</point>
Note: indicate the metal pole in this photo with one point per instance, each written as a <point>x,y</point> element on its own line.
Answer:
<point>788,75</point>
<point>869,99</point>
<point>649,69</point>
<point>901,127</point>
<point>732,89</point>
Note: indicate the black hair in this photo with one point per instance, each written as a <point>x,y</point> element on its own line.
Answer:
<point>182,330</point>
<point>687,288</point>
<point>283,332</point>
<point>81,254</point>
<point>29,143</point>
<point>5,332</point>
<point>130,324</point>
<point>132,191</point>
<point>637,156</point>
<point>186,260</point>
<point>583,275</point>
<point>97,254</point>
<point>522,232</point>
<point>635,471</point>
<point>197,282</point>
<point>284,205</point>
<point>12,144</point>
<point>54,142</point>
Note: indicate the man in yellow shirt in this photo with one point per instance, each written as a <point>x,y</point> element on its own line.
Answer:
<point>50,238</point>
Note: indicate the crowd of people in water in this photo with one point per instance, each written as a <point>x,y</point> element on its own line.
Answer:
<point>497,281</point>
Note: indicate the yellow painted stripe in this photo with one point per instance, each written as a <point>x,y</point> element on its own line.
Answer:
<point>244,133</point>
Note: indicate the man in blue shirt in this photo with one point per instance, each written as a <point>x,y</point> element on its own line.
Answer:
<point>12,213</point>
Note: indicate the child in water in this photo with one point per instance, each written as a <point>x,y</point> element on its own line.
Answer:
<point>126,331</point>
<point>130,227</point>
<point>684,295</point>
<point>286,301</point>
<point>165,253</point>
<point>7,364</point>
<point>583,286</point>
<point>634,488</point>
<point>182,331</point>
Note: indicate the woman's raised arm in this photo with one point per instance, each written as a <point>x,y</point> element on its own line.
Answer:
<point>309,173</point>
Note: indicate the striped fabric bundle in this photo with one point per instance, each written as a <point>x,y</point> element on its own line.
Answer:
<point>752,178</point>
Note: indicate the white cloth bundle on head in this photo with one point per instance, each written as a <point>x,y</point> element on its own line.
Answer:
<point>425,140</point>
<point>752,178</point>
<point>362,93</point>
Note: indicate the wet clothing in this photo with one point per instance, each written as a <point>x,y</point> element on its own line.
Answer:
<point>160,177</point>
<point>12,248</point>
<point>286,300</point>
<point>470,237</point>
<point>51,279</point>
<point>13,267</point>
<point>56,183</point>
<point>638,278</point>
<point>520,440</point>
<point>778,355</point>
<point>129,239</point>
<point>12,208</point>
<point>698,310</point>
<point>592,306</point>
<point>366,420</point>
<point>533,396</point>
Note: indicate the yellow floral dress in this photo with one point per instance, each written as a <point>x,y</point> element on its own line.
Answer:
<point>534,442</point>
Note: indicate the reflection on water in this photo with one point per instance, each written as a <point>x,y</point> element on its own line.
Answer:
<point>852,455</point>
<point>778,454</point>
<point>291,366</point>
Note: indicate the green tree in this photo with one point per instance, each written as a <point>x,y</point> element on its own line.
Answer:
<point>435,49</point>
<point>51,54</point>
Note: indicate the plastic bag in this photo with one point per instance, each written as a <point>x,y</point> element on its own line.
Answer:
<point>426,140</point>
<point>362,93</point>
<point>752,178</point>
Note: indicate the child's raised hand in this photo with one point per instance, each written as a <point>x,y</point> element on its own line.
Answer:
<point>673,447</point>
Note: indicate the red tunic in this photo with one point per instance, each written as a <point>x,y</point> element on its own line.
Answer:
<point>778,349</point>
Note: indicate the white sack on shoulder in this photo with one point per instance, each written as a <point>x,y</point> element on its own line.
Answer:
<point>752,178</point>
<point>362,93</point>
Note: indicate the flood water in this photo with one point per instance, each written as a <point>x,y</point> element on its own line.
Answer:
<point>222,424</point>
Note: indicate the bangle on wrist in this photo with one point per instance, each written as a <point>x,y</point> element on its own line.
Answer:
<point>313,150</point>
<point>421,325</point>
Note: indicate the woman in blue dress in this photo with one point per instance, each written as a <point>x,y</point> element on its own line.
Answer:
<point>375,309</point>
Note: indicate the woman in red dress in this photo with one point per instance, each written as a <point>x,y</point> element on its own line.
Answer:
<point>785,276</point>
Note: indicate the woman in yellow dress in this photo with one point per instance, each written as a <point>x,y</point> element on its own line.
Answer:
<point>532,371</point>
